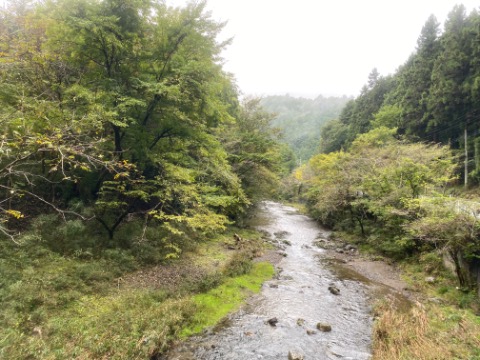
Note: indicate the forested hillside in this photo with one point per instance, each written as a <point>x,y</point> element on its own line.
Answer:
<point>393,162</point>
<point>300,120</point>
<point>432,97</point>
<point>122,143</point>
<point>120,110</point>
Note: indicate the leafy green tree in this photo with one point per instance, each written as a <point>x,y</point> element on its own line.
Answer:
<point>117,105</point>
<point>450,225</point>
<point>368,186</point>
<point>333,136</point>
<point>389,116</point>
<point>256,155</point>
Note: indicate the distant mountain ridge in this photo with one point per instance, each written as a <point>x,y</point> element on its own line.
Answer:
<point>300,119</point>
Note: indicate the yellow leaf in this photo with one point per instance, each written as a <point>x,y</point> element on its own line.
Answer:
<point>16,214</point>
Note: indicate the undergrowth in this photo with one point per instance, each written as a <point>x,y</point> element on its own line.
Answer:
<point>426,332</point>
<point>441,325</point>
<point>73,306</point>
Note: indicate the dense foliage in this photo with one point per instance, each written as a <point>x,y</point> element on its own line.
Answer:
<point>432,97</point>
<point>122,144</point>
<point>393,194</point>
<point>387,170</point>
<point>300,120</point>
<point>118,111</point>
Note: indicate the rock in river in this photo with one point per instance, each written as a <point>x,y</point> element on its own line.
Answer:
<point>324,327</point>
<point>272,321</point>
<point>334,290</point>
<point>292,355</point>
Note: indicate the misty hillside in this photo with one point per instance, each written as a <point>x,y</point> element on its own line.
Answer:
<point>301,119</point>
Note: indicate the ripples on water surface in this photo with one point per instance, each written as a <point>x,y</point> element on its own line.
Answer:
<point>299,298</point>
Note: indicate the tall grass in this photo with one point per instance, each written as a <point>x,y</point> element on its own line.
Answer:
<point>425,332</point>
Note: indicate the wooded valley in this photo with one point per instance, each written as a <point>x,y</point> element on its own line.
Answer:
<point>124,145</point>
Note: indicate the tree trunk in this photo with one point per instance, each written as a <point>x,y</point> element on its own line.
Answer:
<point>460,269</point>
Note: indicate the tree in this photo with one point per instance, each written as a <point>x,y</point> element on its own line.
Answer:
<point>416,80</point>
<point>373,78</point>
<point>254,150</point>
<point>450,225</point>
<point>117,105</point>
<point>368,186</point>
<point>448,101</point>
<point>333,136</point>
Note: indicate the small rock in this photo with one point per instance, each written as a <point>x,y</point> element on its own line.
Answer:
<point>300,322</point>
<point>324,327</point>
<point>430,280</point>
<point>349,247</point>
<point>311,332</point>
<point>248,333</point>
<point>292,355</point>
<point>334,290</point>
<point>339,250</point>
<point>274,286</point>
<point>320,243</point>
<point>273,321</point>
<point>435,300</point>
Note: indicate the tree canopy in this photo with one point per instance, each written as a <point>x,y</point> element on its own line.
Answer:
<point>116,110</point>
<point>432,97</point>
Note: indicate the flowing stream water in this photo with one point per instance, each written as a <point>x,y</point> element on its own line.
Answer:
<point>299,298</point>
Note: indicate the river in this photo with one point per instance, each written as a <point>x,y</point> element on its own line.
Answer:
<point>299,298</point>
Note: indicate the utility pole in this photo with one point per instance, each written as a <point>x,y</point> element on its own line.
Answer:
<point>466,158</point>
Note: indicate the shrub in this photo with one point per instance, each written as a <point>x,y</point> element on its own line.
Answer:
<point>239,264</point>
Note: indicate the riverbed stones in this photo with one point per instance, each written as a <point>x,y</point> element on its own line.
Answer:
<point>349,247</point>
<point>311,332</point>
<point>272,322</point>
<point>293,355</point>
<point>281,234</point>
<point>334,290</point>
<point>324,327</point>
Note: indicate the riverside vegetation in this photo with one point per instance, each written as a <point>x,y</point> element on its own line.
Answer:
<point>124,147</point>
<point>394,176</point>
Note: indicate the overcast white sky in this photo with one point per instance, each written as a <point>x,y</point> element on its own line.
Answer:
<point>312,47</point>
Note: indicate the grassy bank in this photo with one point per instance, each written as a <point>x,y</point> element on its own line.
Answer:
<point>441,324</point>
<point>427,331</point>
<point>104,307</point>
